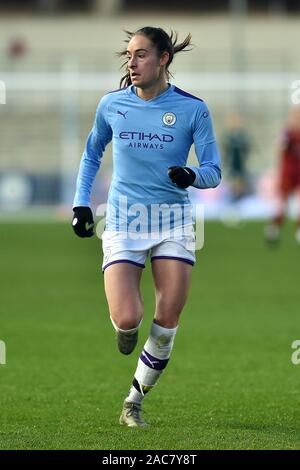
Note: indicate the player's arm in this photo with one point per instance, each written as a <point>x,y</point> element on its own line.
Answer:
<point>98,138</point>
<point>208,174</point>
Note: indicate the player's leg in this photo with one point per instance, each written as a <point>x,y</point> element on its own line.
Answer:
<point>122,288</point>
<point>298,215</point>
<point>171,280</point>
<point>273,228</point>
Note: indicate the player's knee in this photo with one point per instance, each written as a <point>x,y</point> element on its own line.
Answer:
<point>167,313</point>
<point>128,320</point>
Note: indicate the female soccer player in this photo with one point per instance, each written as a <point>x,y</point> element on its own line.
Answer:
<point>152,124</point>
<point>289,176</point>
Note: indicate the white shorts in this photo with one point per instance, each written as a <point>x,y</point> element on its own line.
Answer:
<point>119,248</point>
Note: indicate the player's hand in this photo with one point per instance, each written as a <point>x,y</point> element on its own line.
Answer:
<point>182,176</point>
<point>83,222</point>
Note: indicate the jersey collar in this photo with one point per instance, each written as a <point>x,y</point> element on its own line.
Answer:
<point>132,90</point>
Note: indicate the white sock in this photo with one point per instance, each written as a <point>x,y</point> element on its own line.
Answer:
<point>152,361</point>
<point>126,332</point>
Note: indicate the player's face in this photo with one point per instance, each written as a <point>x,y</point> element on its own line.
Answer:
<point>144,65</point>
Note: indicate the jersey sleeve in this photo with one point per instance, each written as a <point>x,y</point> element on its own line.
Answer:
<point>208,174</point>
<point>98,138</point>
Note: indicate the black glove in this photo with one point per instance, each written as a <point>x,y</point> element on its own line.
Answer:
<point>182,176</point>
<point>83,222</point>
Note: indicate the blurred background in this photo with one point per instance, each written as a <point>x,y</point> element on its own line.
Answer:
<point>57,58</point>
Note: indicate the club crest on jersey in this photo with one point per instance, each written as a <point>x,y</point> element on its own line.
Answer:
<point>169,119</point>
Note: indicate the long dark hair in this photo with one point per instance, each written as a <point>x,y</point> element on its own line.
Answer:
<point>162,41</point>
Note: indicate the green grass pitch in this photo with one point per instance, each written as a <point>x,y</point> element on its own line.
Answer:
<point>230,383</point>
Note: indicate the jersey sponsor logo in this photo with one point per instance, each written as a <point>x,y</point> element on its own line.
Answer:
<point>146,137</point>
<point>169,119</point>
<point>122,114</point>
<point>142,140</point>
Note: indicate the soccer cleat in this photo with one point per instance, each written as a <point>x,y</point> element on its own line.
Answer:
<point>131,415</point>
<point>272,233</point>
<point>126,342</point>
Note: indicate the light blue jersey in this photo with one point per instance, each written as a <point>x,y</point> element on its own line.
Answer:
<point>148,137</point>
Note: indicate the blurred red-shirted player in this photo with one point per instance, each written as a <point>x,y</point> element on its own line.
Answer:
<point>289,175</point>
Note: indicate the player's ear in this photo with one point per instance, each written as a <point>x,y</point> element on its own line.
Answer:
<point>164,59</point>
